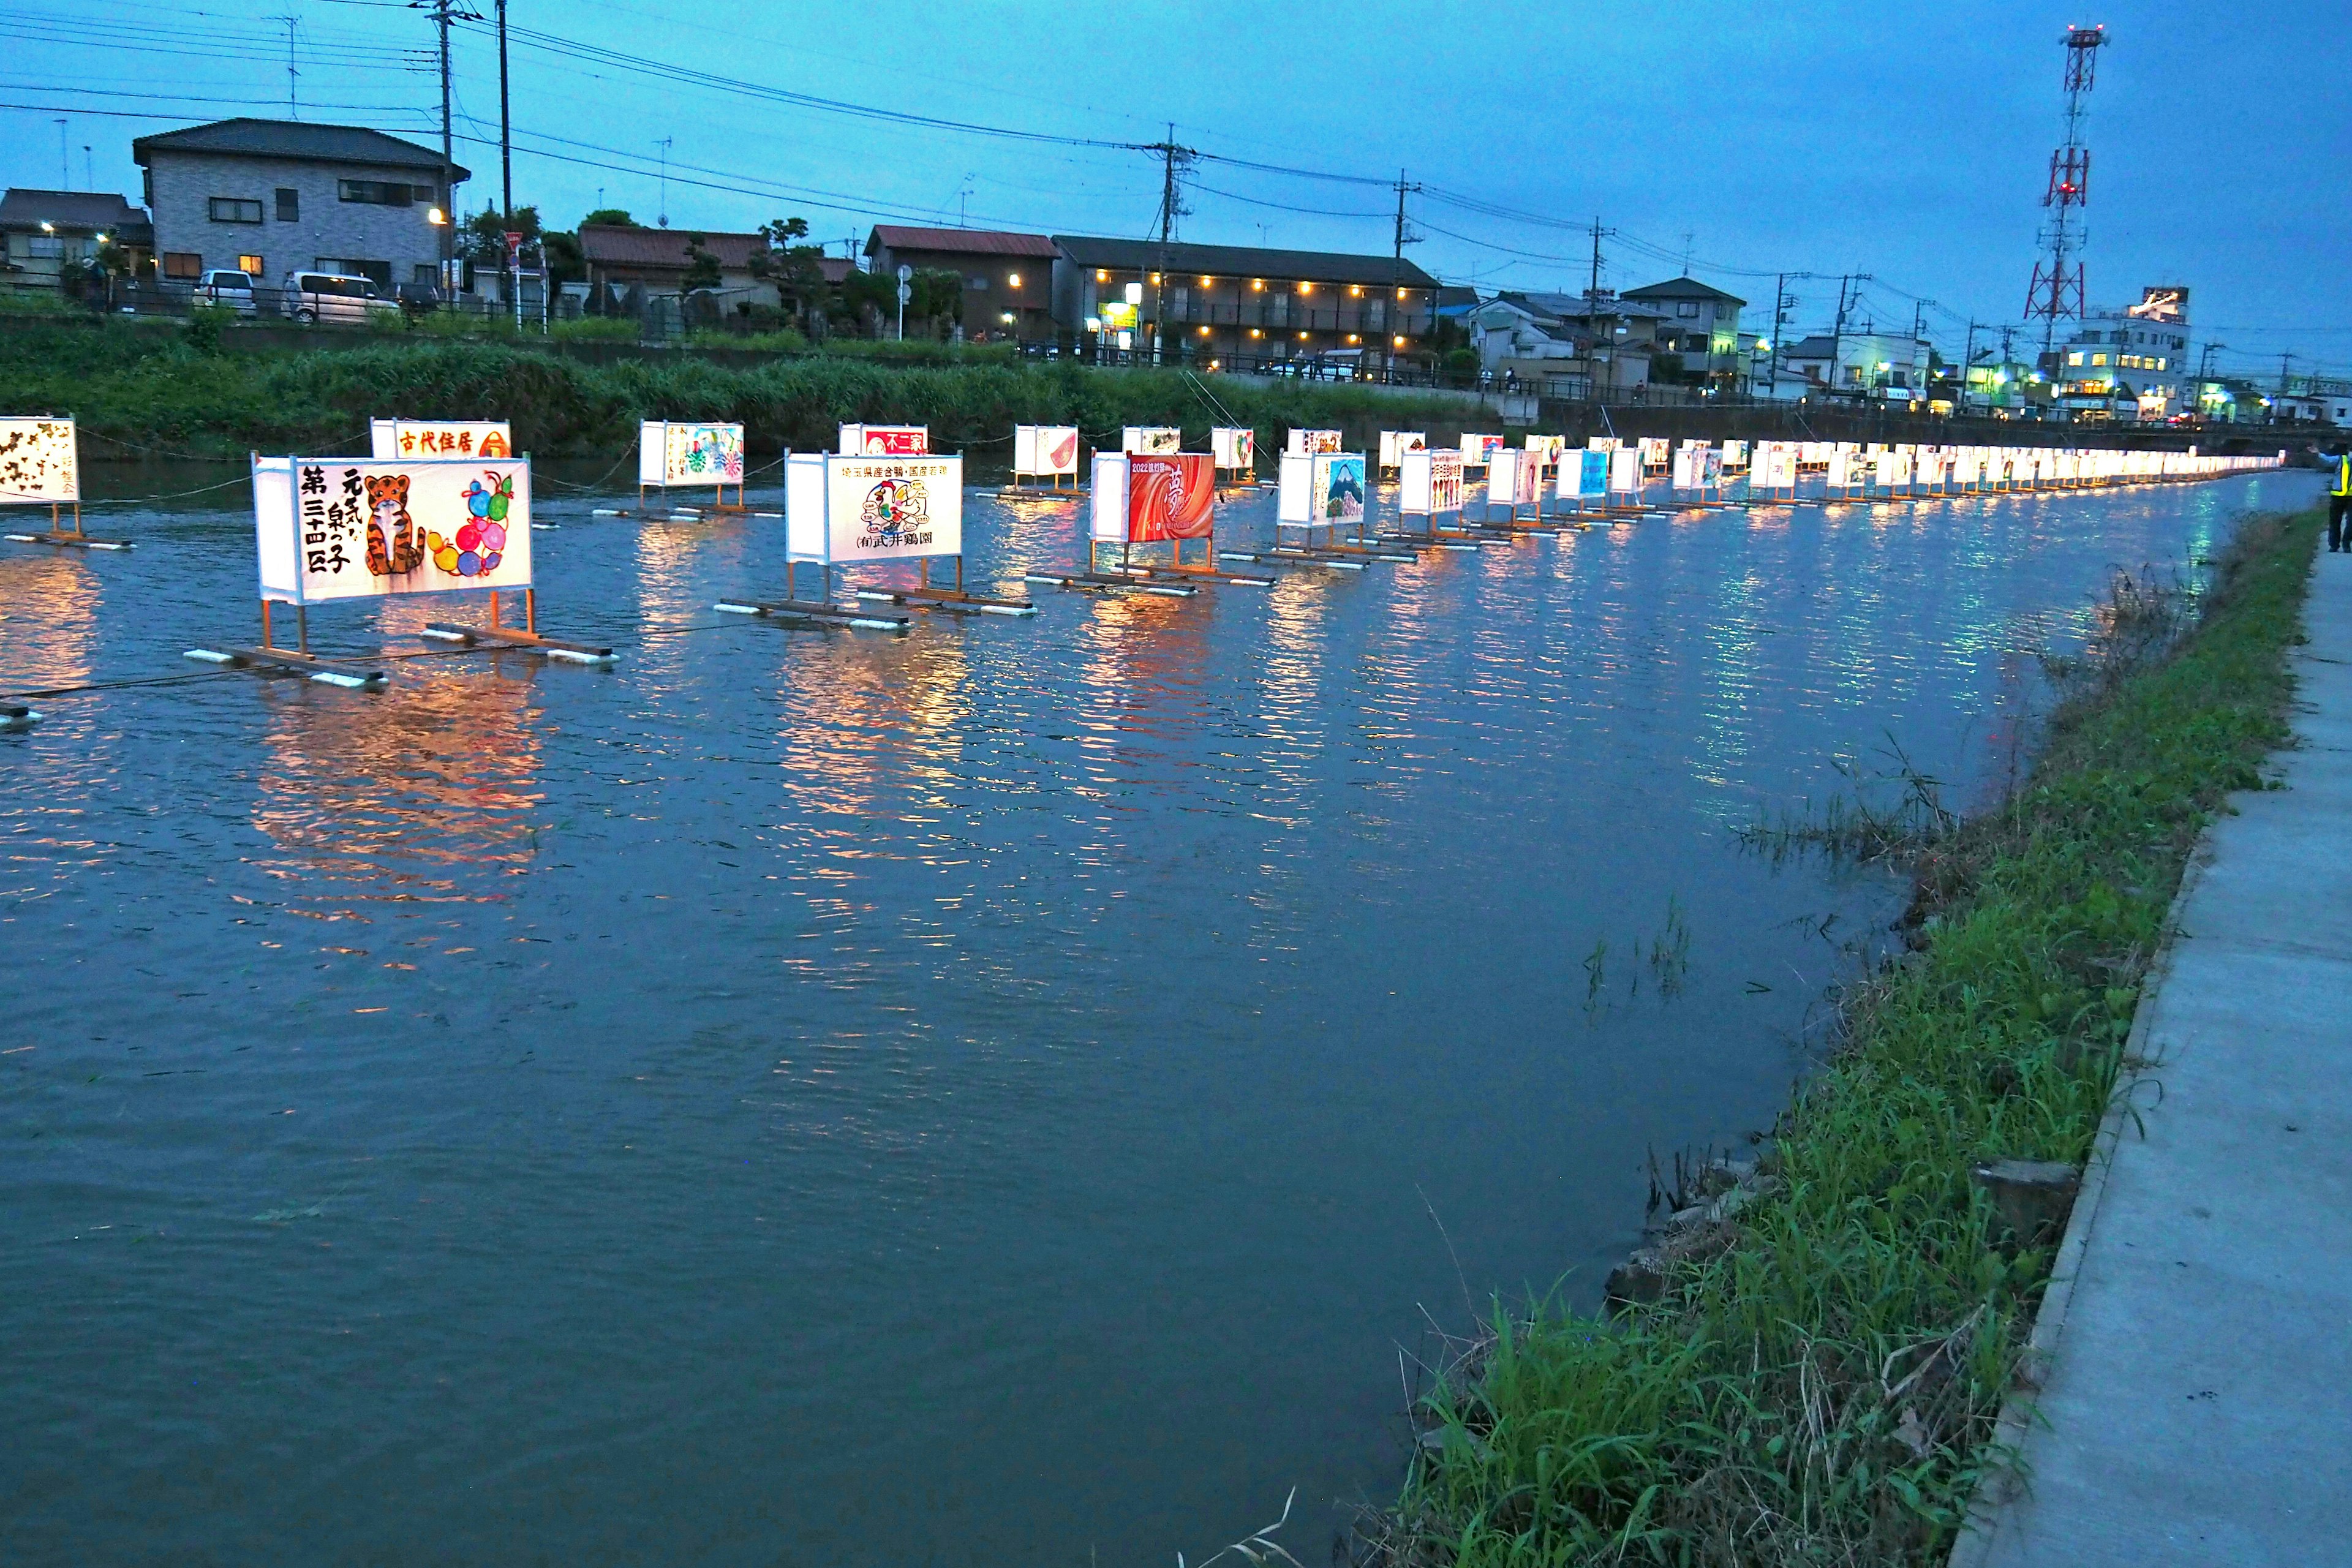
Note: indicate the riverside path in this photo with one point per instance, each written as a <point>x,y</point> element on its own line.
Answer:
<point>2197,1404</point>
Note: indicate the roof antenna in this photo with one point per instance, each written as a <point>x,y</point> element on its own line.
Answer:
<point>662,219</point>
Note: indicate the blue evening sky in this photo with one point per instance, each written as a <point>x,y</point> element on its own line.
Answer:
<point>1909,142</point>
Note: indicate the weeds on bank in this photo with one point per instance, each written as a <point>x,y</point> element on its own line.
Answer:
<point>1818,1384</point>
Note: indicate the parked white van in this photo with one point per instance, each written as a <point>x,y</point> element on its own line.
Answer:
<point>226,289</point>
<point>333,297</point>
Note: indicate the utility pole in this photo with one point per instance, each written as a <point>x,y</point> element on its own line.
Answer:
<point>2284,360</point>
<point>444,12</point>
<point>1592,309</point>
<point>1396,279</point>
<point>661,219</point>
<point>1968,364</point>
<point>1171,209</point>
<point>65,159</point>
<point>291,114</point>
<point>506,128</point>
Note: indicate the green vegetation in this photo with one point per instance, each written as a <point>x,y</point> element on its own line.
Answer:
<point>190,389</point>
<point>1819,1381</point>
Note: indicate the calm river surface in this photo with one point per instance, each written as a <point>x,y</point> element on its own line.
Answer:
<point>980,1097</point>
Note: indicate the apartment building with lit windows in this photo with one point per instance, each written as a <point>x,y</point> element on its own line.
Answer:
<point>2132,363</point>
<point>1240,306</point>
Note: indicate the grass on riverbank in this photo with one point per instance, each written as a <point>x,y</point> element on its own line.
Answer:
<point>148,387</point>
<point>1818,1384</point>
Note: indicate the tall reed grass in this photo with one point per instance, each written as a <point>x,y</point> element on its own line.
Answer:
<point>162,388</point>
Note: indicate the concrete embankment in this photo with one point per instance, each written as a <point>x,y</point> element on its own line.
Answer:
<point>2196,1343</point>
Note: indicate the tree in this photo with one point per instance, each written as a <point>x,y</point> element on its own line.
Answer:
<point>483,239</point>
<point>794,265</point>
<point>937,298</point>
<point>610,218</point>
<point>702,266</point>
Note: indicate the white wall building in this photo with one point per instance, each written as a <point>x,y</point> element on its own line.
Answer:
<point>2131,363</point>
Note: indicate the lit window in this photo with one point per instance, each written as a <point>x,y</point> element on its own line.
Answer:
<point>2098,359</point>
<point>2073,359</point>
<point>251,266</point>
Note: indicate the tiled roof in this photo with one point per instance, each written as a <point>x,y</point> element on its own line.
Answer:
<point>612,245</point>
<point>98,210</point>
<point>1575,308</point>
<point>1242,261</point>
<point>969,241</point>
<point>298,140</point>
<point>1682,287</point>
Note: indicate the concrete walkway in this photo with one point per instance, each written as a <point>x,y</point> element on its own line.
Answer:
<point>2198,1405</point>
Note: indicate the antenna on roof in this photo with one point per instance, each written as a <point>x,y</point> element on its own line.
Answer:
<point>661,219</point>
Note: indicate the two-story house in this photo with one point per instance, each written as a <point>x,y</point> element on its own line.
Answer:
<point>271,197</point>
<point>1566,346</point>
<point>1008,279</point>
<point>1698,322</point>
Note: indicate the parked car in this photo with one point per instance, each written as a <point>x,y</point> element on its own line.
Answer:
<point>419,298</point>
<point>226,289</point>
<point>333,297</point>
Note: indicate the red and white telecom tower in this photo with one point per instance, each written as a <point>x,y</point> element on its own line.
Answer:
<point>2057,289</point>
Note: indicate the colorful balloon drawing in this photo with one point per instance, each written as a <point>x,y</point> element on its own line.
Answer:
<point>481,539</point>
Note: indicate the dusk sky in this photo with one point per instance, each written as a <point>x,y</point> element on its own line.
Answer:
<point>1906,141</point>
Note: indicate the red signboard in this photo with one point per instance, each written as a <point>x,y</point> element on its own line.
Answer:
<point>1172,496</point>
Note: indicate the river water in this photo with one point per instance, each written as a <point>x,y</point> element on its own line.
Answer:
<point>1009,1092</point>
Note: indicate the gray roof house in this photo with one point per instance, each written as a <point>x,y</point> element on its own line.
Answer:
<point>43,232</point>
<point>271,197</point>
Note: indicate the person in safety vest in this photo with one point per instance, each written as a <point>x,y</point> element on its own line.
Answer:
<point>2338,466</point>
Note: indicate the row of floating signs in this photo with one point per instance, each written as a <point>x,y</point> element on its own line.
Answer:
<point>445,507</point>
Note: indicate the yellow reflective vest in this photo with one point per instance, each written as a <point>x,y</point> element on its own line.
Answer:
<point>2343,476</point>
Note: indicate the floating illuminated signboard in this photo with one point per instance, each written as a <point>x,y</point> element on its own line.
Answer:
<point>1321,489</point>
<point>1513,480</point>
<point>887,441</point>
<point>1395,444</point>
<point>1583,476</point>
<point>1304,443</point>
<point>1046,450</point>
<point>40,463</point>
<point>1154,440</point>
<point>1234,447</point>
<point>1429,483</point>
<point>1476,449</point>
<point>1144,498</point>
<point>401,439</point>
<point>1655,452</point>
<point>1548,447</point>
<point>844,510</point>
<point>685,453</point>
<point>1625,471</point>
<point>353,527</point>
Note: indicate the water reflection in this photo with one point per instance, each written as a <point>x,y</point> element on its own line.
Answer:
<point>411,796</point>
<point>50,605</point>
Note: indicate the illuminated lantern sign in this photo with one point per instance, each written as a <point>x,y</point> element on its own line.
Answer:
<point>356,528</point>
<point>1477,450</point>
<point>1304,443</point>
<point>1234,448</point>
<point>395,440</point>
<point>1157,440</point>
<point>896,441</point>
<point>1429,483</point>
<point>674,453</point>
<point>841,511</point>
<point>1395,444</point>
<point>1049,449</point>
<point>1153,498</point>
<point>39,464</point>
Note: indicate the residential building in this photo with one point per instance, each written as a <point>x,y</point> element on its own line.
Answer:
<point>1008,279</point>
<point>1880,366</point>
<point>2310,399</point>
<point>43,233</point>
<point>1567,345</point>
<point>1233,303</point>
<point>2130,363</point>
<point>622,257</point>
<point>272,196</point>
<point>1701,324</point>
